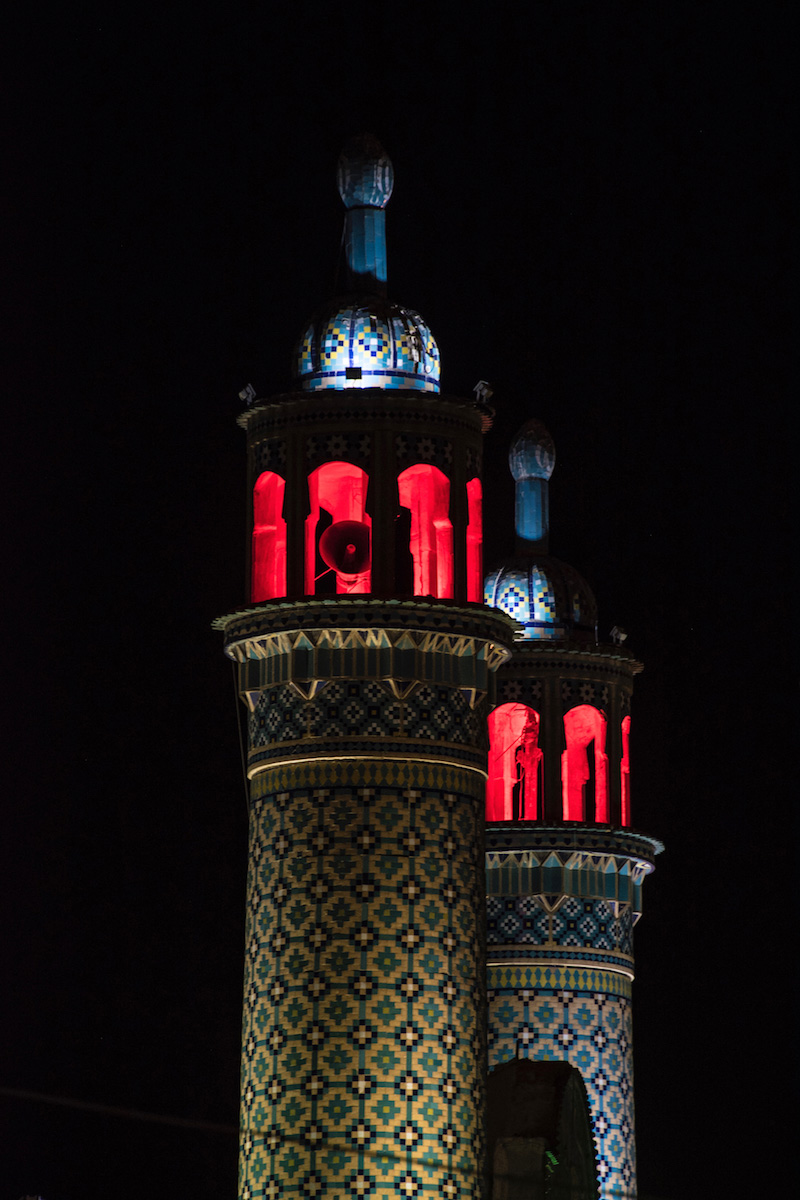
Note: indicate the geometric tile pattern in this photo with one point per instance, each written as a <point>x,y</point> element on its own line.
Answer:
<point>269,455</point>
<point>383,345</point>
<point>579,923</point>
<point>545,595</point>
<point>358,709</point>
<point>512,596</point>
<point>544,602</point>
<point>591,1029</point>
<point>364,1034</point>
<point>559,986</point>
<point>343,446</point>
<point>518,691</point>
<point>584,691</point>
<point>473,460</point>
<point>425,449</point>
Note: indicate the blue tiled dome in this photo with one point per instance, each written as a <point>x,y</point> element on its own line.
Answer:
<point>367,343</point>
<point>546,597</point>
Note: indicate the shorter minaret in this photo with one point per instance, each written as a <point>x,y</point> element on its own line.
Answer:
<point>564,868</point>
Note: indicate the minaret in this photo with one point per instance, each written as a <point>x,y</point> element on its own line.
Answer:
<point>366,660</point>
<point>564,867</point>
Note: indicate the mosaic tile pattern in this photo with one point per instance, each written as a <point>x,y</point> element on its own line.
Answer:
<point>556,601</point>
<point>584,691</point>
<point>579,923</point>
<point>473,462</point>
<point>357,709</point>
<point>428,449</point>
<point>512,596</point>
<point>364,1016</point>
<point>386,346</point>
<point>542,597</point>
<point>269,455</point>
<point>519,691</point>
<point>339,447</point>
<point>591,1029</point>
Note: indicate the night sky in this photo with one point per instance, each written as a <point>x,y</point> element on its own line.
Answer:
<point>591,212</point>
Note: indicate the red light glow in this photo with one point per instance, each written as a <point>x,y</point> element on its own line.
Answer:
<point>269,539</point>
<point>425,491</point>
<point>512,789</point>
<point>341,489</point>
<point>475,541</point>
<point>625,771</point>
<point>582,726</point>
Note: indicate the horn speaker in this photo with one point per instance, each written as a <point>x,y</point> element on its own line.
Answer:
<point>344,546</point>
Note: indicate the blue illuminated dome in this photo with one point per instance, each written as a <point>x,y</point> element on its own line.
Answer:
<point>367,343</point>
<point>548,598</point>
<point>365,340</point>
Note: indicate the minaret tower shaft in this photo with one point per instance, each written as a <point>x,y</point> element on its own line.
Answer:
<point>564,869</point>
<point>366,662</point>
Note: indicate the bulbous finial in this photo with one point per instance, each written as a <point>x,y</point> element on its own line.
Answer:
<point>533,453</point>
<point>364,173</point>
<point>531,458</point>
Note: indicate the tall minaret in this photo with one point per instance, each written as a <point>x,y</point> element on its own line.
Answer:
<point>564,867</point>
<point>366,660</point>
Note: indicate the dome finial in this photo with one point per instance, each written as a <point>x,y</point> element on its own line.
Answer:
<point>361,339</point>
<point>364,173</point>
<point>365,177</point>
<point>531,458</point>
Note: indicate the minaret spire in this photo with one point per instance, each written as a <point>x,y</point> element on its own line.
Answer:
<point>365,178</point>
<point>531,458</point>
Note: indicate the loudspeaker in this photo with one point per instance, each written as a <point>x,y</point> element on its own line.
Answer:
<point>344,546</point>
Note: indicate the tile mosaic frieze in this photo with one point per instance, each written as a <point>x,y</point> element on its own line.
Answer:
<point>347,709</point>
<point>585,924</point>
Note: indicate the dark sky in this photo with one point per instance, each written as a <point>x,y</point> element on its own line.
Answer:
<point>591,211</point>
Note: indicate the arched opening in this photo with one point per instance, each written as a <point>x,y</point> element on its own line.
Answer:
<point>584,773</point>
<point>425,491</point>
<point>515,761</point>
<point>625,772</point>
<point>340,490</point>
<point>268,567</point>
<point>475,541</point>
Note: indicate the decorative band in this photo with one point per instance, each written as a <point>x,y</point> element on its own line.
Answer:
<point>546,977</point>
<point>417,752</point>
<point>349,771</point>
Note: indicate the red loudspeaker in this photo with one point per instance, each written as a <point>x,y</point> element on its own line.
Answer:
<point>344,546</point>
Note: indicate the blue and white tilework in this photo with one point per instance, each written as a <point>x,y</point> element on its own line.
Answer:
<point>589,1027</point>
<point>559,985</point>
<point>384,346</point>
<point>364,1014</point>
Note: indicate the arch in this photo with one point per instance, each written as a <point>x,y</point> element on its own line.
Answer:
<point>512,789</point>
<point>340,488</point>
<point>475,541</point>
<point>583,726</point>
<point>625,772</point>
<point>268,565</point>
<point>425,490</point>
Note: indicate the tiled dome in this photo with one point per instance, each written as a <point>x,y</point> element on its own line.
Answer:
<point>367,343</point>
<point>546,597</point>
